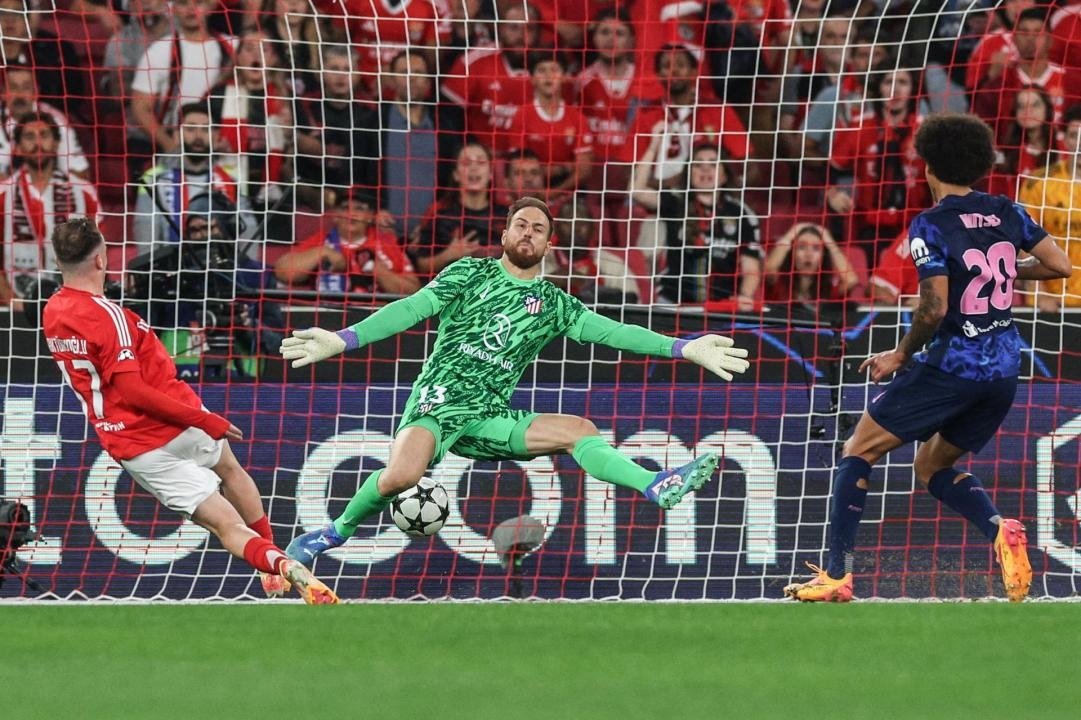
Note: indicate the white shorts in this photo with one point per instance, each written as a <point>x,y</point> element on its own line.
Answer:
<point>179,473</point>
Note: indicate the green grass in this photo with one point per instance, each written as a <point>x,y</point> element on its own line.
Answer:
<point>540,660</point>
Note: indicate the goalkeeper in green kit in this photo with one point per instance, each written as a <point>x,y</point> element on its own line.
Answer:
<point>495,316</point>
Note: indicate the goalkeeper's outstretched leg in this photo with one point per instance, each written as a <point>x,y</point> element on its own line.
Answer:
<point>552,433</point>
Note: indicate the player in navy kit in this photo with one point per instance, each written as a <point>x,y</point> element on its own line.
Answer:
<point>954,394</point>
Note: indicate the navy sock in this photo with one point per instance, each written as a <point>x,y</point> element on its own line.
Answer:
<point>967,497</point>
<point>846,510</point>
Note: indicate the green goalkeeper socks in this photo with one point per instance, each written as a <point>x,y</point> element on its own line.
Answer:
<point>365,503</point>
<point>604,462</point>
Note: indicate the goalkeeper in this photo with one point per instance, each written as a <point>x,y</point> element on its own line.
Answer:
<point>495,316</point>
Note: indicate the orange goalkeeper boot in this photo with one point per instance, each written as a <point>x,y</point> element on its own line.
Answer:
<point>1011,551</point>
<point>821,588</point>
<point>310,587</point>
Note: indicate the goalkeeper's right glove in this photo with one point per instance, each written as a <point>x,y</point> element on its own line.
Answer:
<point>715,353</point>
<point>311,345</point>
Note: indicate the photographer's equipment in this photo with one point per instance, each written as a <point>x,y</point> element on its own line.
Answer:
<point>188,290</point>
<point>15,531</point>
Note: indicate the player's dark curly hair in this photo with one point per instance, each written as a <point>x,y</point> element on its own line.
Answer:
<point>958,149</point>
<point>75,241</point>
<point>532,202</point>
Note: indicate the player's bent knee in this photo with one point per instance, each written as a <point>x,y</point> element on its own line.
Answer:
<point>393,481</point>
<point>584,428</point>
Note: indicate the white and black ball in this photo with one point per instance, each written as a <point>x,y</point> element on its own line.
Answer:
<point>421,510</point>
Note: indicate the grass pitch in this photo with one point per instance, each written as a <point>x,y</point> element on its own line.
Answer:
<point>541,660</point>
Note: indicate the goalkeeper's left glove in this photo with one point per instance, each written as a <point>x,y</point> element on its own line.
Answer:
<point>715,353</point>
<point>311,345</point>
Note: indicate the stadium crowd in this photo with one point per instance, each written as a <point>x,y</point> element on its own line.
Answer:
<point>731,154</point>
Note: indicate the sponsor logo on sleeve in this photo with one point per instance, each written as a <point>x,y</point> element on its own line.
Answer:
<point>920,253</point>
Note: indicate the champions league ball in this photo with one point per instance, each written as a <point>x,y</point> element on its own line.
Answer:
<point>421,510</point>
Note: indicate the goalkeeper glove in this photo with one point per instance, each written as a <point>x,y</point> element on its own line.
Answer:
<point>715,353</point>
<point>311,345</point>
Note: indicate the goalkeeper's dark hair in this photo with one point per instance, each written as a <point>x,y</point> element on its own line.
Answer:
<point>76,240</point>
<point>959,149</point>
<point>535,203</point>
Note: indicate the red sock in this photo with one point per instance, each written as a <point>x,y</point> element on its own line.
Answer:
<point>262,527</point>
<point>264,555</point>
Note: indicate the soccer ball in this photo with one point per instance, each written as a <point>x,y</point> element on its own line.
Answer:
<point>421,510</point>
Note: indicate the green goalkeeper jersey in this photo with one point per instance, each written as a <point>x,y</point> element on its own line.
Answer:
<point>492,325</point>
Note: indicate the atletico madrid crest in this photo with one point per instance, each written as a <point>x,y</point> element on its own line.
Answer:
<point>532,304</point>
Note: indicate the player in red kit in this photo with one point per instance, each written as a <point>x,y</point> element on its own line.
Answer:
<point>153,424</point>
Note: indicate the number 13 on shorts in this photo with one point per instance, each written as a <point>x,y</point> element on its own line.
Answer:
<point>431,395</point>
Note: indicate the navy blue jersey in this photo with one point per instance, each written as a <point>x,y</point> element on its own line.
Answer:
<point>974,241</point>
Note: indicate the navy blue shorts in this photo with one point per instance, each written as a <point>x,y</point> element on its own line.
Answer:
<point>923,400</point>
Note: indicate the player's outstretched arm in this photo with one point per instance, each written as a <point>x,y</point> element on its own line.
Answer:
<point>158,405</point>
<point>716,353</point>
<point>314,344</point>
<point>1047,262</point>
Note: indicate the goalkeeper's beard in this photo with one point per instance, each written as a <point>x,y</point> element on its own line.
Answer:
<point>519,259</point>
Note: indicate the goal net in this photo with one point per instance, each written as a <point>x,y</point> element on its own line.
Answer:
<point>743,167</point>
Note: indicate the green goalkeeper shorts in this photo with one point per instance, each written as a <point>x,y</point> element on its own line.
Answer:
<point>478,432</point>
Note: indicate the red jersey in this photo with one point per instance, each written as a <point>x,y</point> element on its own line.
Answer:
<point>606,105</point>
<point>883,161</point>
<point>895,270</point>
<point>993,100</point>
<point>980,59</point>
<point>556,139</point>
<point>768,18</point>
<point>92,340</point>
<point>489,90</point>
<point>702,123</point>
<point>360,258</point>
<point>382,30</point>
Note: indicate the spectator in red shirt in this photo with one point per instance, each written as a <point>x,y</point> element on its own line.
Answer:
<point>382,29</point>
<point>1028,66</point>
<point>355,256</point>
<point>888,185</point>
<point>682,117</point>
<point>489,84</point>
<point>1025,143</point>
<point>552,128</point>
<point>605,90</point>
<point>895,274</point>
<point>807,266</point>
<point>997,45</point>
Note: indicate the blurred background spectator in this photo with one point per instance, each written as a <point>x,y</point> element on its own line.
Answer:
<point>466,220</point>
<point>807,266</point>
<point>354,255</point>
<point>713,248</point>
<point>33,200</point>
